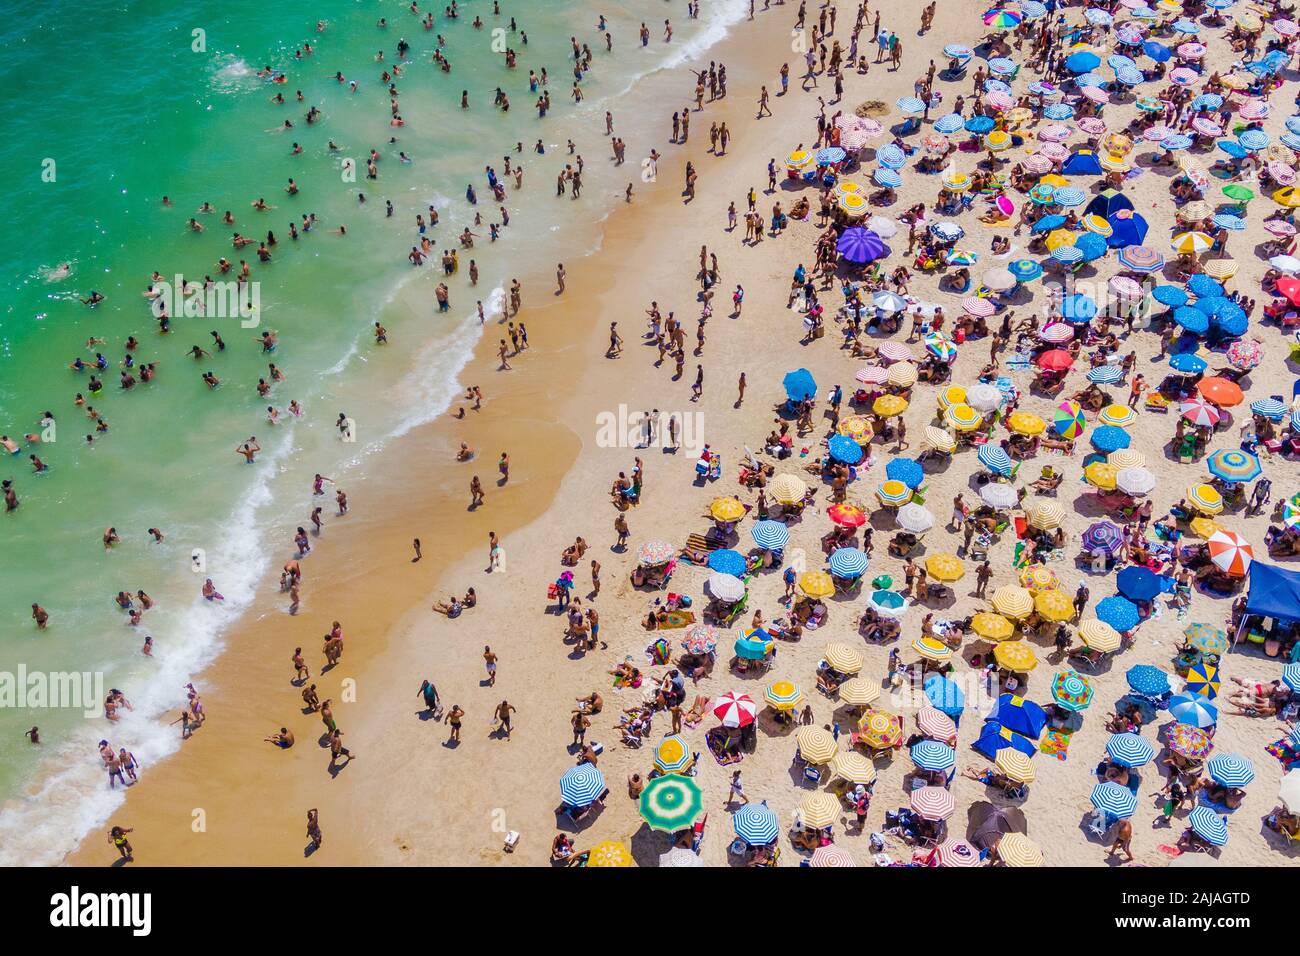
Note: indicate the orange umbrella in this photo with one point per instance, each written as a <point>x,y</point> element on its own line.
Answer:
<point>1221,391</point>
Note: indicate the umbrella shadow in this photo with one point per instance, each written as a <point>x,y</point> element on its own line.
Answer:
<point>647,845</point>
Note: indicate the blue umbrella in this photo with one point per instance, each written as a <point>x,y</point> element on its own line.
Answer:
<point>1270,408</point>
<point>958,51</point>
<point>1176,142</point>
<point>770,535</point>
<point>1192,320</point>
<point>1120,613</point>
<point>1230,770</point>
<point>1082,62</point>
<point>1129,750</point>
<point>1099,17</point>
<point>1078,308</point>
<point>1293,124</point>
<point>1233,149</point>
<point>906,470</point>
<point>848,563</point>
<point>1118,61</point>
<point>861,245</point>
<point>1109,438</point>
<point>1226,221</point>
<point>1217,306</point>
<point>891,156</point>
<point>830,155</point>
<point>1060,111</point>
<point>1068,255</point>
<point>1207,101</point>
<point>1089,244</point>
<point>1144,13</point>
<point>1129,230</point>
<point>1025,270</point>
<point>581,785</point>
<point>1208,825</point>
<point>944,695</point>
<point>1234,465</point>
<point>845,449</point>
<point>1232,324</point>
<point>932,755</point>
<point>1106,374</point>
<point>1202,286</point>
<point>1048,223</point>
<point>752,648</point>
<point>948,123</point>
<point>1157,51</point>
<point>1291,676</point>
<point>994,459</point>
<point>1291,140</point>
<point>1219,4</point>
<point>1253,140</point>
<point>727,561</point>
<point>887,178</point>
<point>756,823</point>
<point>1187,26</point>
<point>1139,584</point>
<point>1194,710</point>
<point>1187,363</point>
<point>979,124</point>
<point>1147,680</point>
<point>1170,295</point>
<point>1090,79</point>
<point>911,104</point>
<point>1130,76</point>
<point>799,385</point>
<point>1032,9</point>
<point>1113,799</point>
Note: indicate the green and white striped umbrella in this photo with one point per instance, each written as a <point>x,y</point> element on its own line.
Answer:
<point>671,802</point>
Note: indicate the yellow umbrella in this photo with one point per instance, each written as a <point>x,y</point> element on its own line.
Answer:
<point>673,752</point>
<point>892,493</point>
<point>783,695</point>
<point>1026,423</point>
<point>1101,474</point>
<point>1098,225</point>
<point>816,584</point>
<point>799,159</point>
<point>843,658</point>
<point>998,140</point>
<point>727,509</point>
<point>902,374</point>
<point>1058,238</point>
<point>956,182</point>
<point>1120,415</point>
<point>1126,458</point>
<point>1192,243</point>
<point>1054,180</point>
<point>819,809</point>
<point>1288,196</point>
<point>1014,602</point>
<point>952,395</point>
<point>816,745</point>
<point>853,767</point>
<point>879,729</point>
<point>1099,636</point>
<point>1046,515</point>
<point>1221,269</point>
<point>1118,143</point>
<point>1015,765</point>
<point>857,427</point>
<point>1205,499</point>
<point>944,567</point>
<point>1016,656</point>
<point>853,204</point>
<point>859,692</point>
<point>995,627</point>
<point>1115,163</point>
<point>1016,849</point>
<point>963,418</point>
<point>1019,114</point>
<point>932,649</point>
<point>1054,605</point>
<point>1203,527</point>
<point>939,440</point>
<point>787,489</point>
<point>887,406</point>
<point>611,853</point>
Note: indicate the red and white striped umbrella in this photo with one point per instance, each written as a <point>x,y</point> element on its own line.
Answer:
<point>1055,152</point>
<point>1254,109</point>
<point>1096,94</point>
<point>1200,412</point>
<point>956,852</point>
<point>872,375</point>
<point>1206,126</point>
<point>894,351</point>
<point>1000,101</point>
<point>735,710</point>
<point>1054,133</point>
<point>832,855</point>
<point>1230,552</point>
<point>1286,28</point>
<point>1092,125</point>
<point>936,724</point>
<point>1157,134</point>
<point>976,306</point>
<point>933,803</point>
<point>1056,333</point>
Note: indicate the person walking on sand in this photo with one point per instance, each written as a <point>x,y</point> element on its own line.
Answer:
<point>763,108</point>
<point>740,398</point>
<point>490,661</point>
<point>415,543</point>
<point>502,353</point>
<point>697,390</point>
<point>615,341</point>
<point>735,792</point>
<point>503,712</point>
<point>580,724</point>
<point>117,837</point>
<point>453,722</point>
<point>313,828</point>
<point>559,278</point>
<point>476,492</point>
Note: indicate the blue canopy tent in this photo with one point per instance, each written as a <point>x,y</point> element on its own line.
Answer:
<point>1107,203</point>
<point>1274,592</point>
<point>1019,715</point>
<point>1082,162</point>
<point>1128,228</point>
<point>995,738</point>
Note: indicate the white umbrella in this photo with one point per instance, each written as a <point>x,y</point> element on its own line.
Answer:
<point>999,280</point>
<point>983,397</point>
<point>914,518</point>
<point>882,226</point>
<point>998,495</point>
<point>1135,481</point>
<point>1287,264</point>
<point>680,856</point>
<point>725,587</point>
<point>889,302</point>
<point>1289,791</point>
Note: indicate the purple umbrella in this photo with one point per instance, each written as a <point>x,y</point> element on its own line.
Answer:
<point>1105,537</point>
<point>861,245</point>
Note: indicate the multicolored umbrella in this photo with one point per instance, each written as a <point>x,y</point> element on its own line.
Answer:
<point>1230,552</point>
<point>700,639</point>
<point>1068,420</point>
<point>1203,679</point>
<point>879,729</point>
<point>1205,499</point>
<point>654,553</point>
<point>1207,639</point>
<point>1105,537</point>
<point>1234,465</point>
<point>1072,691</point>
<point>673,755</point>
<point>847,515</point>
<point>783,695</point>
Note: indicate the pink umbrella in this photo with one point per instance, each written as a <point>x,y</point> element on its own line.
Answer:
<point>1055,152</point>
<point>1000,101</point>
<point>1133,4</point>
<point>1092,125</point>
<point>870,127</point>
<point>1038,164</point>
<point>1279,227</point>
<point>1283,173</point>
<point>1157,134</point>
<point>1096,94</point>
<point>1254,109</point>
<point>1130,34</point>
<point>1005,205</point>
<point>1054,133</point>
<point>894,351</point>
<point>936,724</point>
<point>1206,126</point>
<point>854,139</point>
<point>1286,28</point>
<point>1056,333</point>
<point>976,306</point>
<point>872,375</point>
<point>1191,51</point>
<point>1125,286</point>
<point>956,853</point>
<point>933,803</point>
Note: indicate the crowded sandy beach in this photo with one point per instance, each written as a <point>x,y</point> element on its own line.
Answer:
<point>906,478</point>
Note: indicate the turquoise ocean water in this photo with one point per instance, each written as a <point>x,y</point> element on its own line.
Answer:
<point>109,107</point>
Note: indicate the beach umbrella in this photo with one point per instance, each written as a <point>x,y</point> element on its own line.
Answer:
<point>963,418</point>
<point>654,553</point>
<point>1291,676</point>
<point>1169,295</point>
<point>787,489</point>
<point>936,724</point>
<point>1106,374</point>
<point>995,627</point>
<point>1234,465</point>
<point>1114,800</point>
<point>1015,602</point>
<point>1187,363</point>
<point>950,396</point>
<point>816,584</point>
<point>1054,605</point>
<point>727,561</point>
<point>581,785</point>
<point>853,766</point>
<point>890,604</point>
<point>1221,391</point>
<point>725,587</point>
<point>1082,62</point>
<point>1200,412</point>
<point>1049,224</point>
<point>1135,481</point>
<point>944,696</point>
<point>887,178</point>
<point>932,649</point>
<point>1141,259</point>
<point>1103,536</point>
<point>1039,577</point>
<point>1016,656</point>
<point>1109,438</point>
<point>1129,750</point>
<point>949,123</point>
<point>799,385</point>
<point>673,755</point>
<point>933,803</point>
<point>1192,320</point>
<point>1068,420</point>
<point>1098,225</point>
<point>906,470</point>
<point>852,203</point>
<point>858,428</point>
<point>848,563</point>
<point>843,658</point>
<point>1138,584</point>
<point>999,496</point>
<point>944,567</point>
<point>903,375</point>
<point>1208,825</point>
<point>879,729</point>
<point>860,245</point>
<point>769,535</point>
<point>1017,850</point>
<point>819,809</point>
<point>1203,679</point>
<point>914,518</point>
<point>1026,423</point>
<point>1072,691</point>
<point>1192,243</point>
<point>1230,552</point>
<point>1127,458</point>
<point>754,646</point>
<point>1003,18</point>
<point>727,509</point>
<point>1058,111</point>
<point>831,855</point>
<point>994,459</point>
<point>735,710</point>
<point>859,692</point>
<point>942,347</point>
<point>1192,711</point>
<point>680,857</point>
<point>844,449</point>
<point>1207,639</point>
<point>610,854</point>
<point>891,157</point>
<point>956,853</point>
<point>1055,360</point>
<point>1245,354</point>
<point>1026,270</point>
<point>1015,765</point>
<point>995,738</point>
<point>1230,770</point>
<point>1205,499</point>
<point>1099,636</point>
<point>700,639</point>
<point>783,695</point>
<point>1147,680</point>
<point>893,493</point>
<point>756,823</point>
<point>933,756</point>
<point>983,397</point>
<point>1289,790</point>
<point>871,375</point>
<point>1118,415</point>
<point>1120,613</point>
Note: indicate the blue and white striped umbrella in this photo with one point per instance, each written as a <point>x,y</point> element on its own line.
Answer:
<point>728,561</point>
<point>1230,770</point>
<point>1254,139</point>
<point>1270,408</point>
<point>911,104</point>
<point>769,535</point>
<point>1188,27</point>
<point>891,156</point>
<point>1113,799</point>
<point>947,231</point>
<point>581,785</point>
<point>997,86</point>
<point>1059,111</point>
<point>948,123</point>
<point>1105,374</point>
<point>1145,679</point>
<point>1219,4</point>
<point>887,178</point>
<point>756,823</point>
<point>1069,196</point>
<point>830,155</point>
<point>1207,101</point>
<point>1208,825</point>
<point>958,51</point>
<point>1294,739</point>
<point>1290,140</point>
<point>1039,88</point>
<point>1001,65</point>
<point>1129,750</point>
<point>1143,13</point>
<point>1291,676</point>
<point>1178,141</point>
<point>932,755</point>
<point>1130,77</point>
<point>1194,710</point>
<point>994,459</point>
<point>1091,79</point>
<point>1033,9</point>
<point>1067,254</point>
<point>1293,124</point>
<point>1118,61</point>
<point>1099,17</point>
<point>848,563</point>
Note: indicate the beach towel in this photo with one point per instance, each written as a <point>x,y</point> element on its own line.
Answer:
<point>1055,743</point>
<point>1283,752</point>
